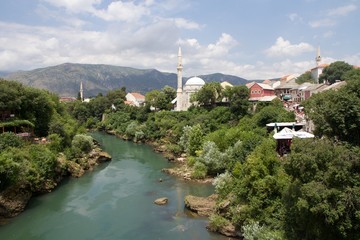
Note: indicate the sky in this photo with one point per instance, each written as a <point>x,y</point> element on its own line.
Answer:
<point>253,39</point>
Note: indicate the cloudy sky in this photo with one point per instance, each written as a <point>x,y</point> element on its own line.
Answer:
<point>254,39</point>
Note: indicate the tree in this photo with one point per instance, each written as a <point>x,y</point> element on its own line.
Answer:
<point>323,198</point>
<point>305,77</point>
<point>161,100</point>
<point>335,71</point>
<point>336,114</point>
<point>237,97</point>
<point>9,139</point>
<point>209,94</point>
<point>192,139</point>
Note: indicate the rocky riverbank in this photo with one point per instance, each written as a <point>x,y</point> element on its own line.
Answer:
<point>14,199</point>
<point>202,206</point>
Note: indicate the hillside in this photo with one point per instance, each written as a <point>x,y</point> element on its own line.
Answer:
<point>65,79</point>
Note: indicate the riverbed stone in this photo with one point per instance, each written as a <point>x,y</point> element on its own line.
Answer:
<point>13,200</point>
<point>203,206</point>
<point>103,157</point>
<point>161,201</point>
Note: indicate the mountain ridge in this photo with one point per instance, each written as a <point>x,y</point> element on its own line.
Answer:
<point>64,79</point>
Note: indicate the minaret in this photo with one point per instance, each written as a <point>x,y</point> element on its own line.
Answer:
<point>81,92</point>
<point>318,57</point>
<point>179,82</point>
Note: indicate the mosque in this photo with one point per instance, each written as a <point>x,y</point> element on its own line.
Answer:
<point>183,93</point>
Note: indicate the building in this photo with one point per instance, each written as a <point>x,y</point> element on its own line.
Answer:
<point>135,99</point>
<point>261,92</point>
<point>183,93</point>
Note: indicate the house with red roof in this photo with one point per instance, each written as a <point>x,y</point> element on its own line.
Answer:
<point>261,92</point>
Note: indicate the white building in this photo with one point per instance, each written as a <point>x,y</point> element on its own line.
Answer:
<point>183,93</point>
<point>135,99</point>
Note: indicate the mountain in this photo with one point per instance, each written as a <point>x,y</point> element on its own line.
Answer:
<point>65,79</point>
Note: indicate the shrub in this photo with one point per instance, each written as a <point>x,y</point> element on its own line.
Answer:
<point>200,170</point>
<point>223,184</point>
<point>83,142</point>
<point>254,231</point>
<point>9,139</point>
<point>217,222</point>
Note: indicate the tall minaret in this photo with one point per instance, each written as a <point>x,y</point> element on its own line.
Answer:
<point>81,92</point>
<point>179,82</point>
<point>318,57</point>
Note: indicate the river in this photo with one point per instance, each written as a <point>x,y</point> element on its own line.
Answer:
<point>115,201</point>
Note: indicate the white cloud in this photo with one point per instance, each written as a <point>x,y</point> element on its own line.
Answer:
<point>186,24</point>
<point>283,47</point>
<point>294,17</point>
<point>342,11</point>
<point>326,22</point>
<point>74,6</point>
<point>123,11</point>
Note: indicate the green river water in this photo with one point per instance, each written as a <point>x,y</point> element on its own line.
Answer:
<point>115,201</point>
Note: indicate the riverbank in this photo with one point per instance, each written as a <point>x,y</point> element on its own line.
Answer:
<point>202,206</point>
<point>14,199</point>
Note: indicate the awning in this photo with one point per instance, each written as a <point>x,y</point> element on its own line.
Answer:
<point>287,133</point>
<point>287,97</point>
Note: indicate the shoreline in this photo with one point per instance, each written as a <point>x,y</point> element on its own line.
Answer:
<point>14,199</point>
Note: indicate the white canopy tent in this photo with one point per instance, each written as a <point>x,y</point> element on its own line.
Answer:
<point>287,133</point>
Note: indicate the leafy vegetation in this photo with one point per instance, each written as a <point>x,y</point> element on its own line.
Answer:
<point>335,71</point>
<point>312,193</point>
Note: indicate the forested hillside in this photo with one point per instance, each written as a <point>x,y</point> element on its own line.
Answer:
<point>65,79</point>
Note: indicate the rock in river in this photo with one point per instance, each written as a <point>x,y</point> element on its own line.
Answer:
<point>161,201</point>
<point>204,206</point>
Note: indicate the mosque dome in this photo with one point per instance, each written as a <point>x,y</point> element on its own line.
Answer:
<point>195,81</point>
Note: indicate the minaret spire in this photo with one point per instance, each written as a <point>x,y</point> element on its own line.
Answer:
<point>179,82</point>
<point>318,57</point>
<point>81,91</point>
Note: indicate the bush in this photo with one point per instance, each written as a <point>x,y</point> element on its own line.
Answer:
<point>9,139</point>
<point>217,222</point>
<point>212,158</point>
<point>223,184</point>
<point>200,170</point>
<point>254,231</point>
<point>83,142</point>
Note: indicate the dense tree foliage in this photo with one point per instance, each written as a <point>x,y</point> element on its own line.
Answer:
<point>161,99</point>
<point>323,197</point>
<point>305,77</point>
<point>209,94</point>
<point>336,114</point>
<point>335,71</point>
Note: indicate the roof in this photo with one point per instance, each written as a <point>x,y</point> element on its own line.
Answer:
<point>263,99</point>
<point>195,81</point>
<point>287,133</point>
<point>265,86</point>
<point>262,85</point>
<point>287,85</point>
<point>324,65</point>
<point>137,95</point>
<point>249,85</point>
<point>335,86</point>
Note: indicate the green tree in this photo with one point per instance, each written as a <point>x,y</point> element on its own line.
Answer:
<point>335,71</point>
<point>9,139</point>
<point>305,77</point>
<point>209,94</point>
<point>336,114</point>
<point>192,139</point>
<point>323,198</point>
<point>237,97</point>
